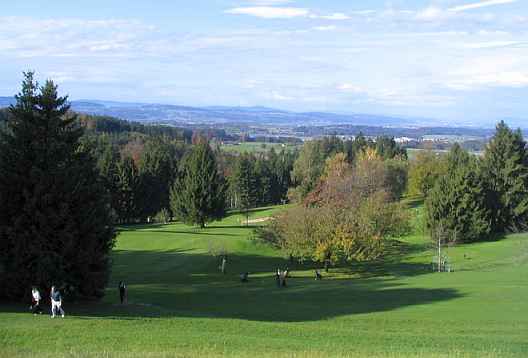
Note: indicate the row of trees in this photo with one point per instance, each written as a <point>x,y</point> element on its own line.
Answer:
<point>309,167</point>
<point>260,180</point>
<point>473,198</point>
<point>138,172</point>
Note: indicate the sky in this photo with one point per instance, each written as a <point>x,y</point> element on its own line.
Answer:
<point>464,61</point>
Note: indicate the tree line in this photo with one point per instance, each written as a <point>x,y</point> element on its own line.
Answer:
<point>470,198</point>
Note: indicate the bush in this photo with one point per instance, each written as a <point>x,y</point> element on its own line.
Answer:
<point>163,216</point>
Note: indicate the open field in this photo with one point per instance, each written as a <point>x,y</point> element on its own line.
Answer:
<point>180,305</point>
<point>258,147</point>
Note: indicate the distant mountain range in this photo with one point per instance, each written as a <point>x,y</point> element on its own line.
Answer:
<point>261,116</point>
<point>163,113</point>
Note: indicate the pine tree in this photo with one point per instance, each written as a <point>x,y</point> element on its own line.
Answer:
<point>198,195</point>
<point>246,185</point>
<point>505,168</point>
<point>457,201</point>
<point>55,221</point>
<point>128,189</point>
<point>157,166</point>
<point>262,177</point>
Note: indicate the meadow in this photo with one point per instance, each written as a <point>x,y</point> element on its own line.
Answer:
<point>257,147</point>
<point>180,305</point>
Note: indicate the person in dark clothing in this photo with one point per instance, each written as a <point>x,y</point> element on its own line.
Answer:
<point>223,265</point>
<point>56,303</point>
<point>122,292</point>
<point>278,278</point>
<point>318,275</point>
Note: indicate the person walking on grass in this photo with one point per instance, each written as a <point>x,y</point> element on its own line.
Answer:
<point>56,302</point>
<point>35,301</point>
<point>122,292</point>
<point>284,276</point>
<point>223,265</point>
<point>318,275</point>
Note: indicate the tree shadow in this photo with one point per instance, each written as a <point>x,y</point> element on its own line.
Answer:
<point>192,232</point>
<point>250,226</point>
<point>180,283</point>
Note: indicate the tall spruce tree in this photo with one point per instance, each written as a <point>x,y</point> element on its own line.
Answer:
<point>246,185</point>
<point>505,169</point>
<point>198,194</point>
<point>157,166</point>
<point>55,221</point>
<point>456,204</point>
<point>128,189</point>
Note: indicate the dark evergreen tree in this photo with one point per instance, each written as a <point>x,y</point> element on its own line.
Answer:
<point>246,184</point>
<point>157,167</point>
<point>3,119</point>
<point>505,169</point>
<point>281,169</point>
<point>128,189</point>
<point>263,178</point>
<point>198,195</point>
<point>387,148</point>
<point>457,202</point>
<point>107,160</point>
<point>55,222</point>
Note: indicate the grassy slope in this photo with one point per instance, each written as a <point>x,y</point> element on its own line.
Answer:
<point>179,302</point>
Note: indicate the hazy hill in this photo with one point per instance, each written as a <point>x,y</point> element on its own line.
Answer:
<point>220,114</point>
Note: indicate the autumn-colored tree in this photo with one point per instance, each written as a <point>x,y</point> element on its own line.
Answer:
<point>424,171</point>
<point>348,216</point>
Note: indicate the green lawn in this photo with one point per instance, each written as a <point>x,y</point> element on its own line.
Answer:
<point>258,147</point>
<point>181,306</point>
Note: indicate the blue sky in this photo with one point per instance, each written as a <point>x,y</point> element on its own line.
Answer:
<point>456,60</point>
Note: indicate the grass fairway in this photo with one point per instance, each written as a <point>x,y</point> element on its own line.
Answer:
<point>258,147</point>
<point>181,306</point>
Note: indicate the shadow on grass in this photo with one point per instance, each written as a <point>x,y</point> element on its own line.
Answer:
<point>178,283</point>
<point>192,230</point>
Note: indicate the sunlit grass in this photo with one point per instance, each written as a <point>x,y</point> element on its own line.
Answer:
<point>180,305</point>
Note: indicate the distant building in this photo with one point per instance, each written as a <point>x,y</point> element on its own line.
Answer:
<point>404,140</point>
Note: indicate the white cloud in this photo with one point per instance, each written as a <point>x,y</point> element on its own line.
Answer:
<point>325,28</point>
<point>431,13</point>
<point>29,37</point>
<point>496,70</point>
<point>334,16</point>
<point>494,44</point>
<point>347,87</point>
<point>279,97</point>
<point>270,12</point>
<point>270,2</point>
<point>487,80</point>
<point>481,4</point>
